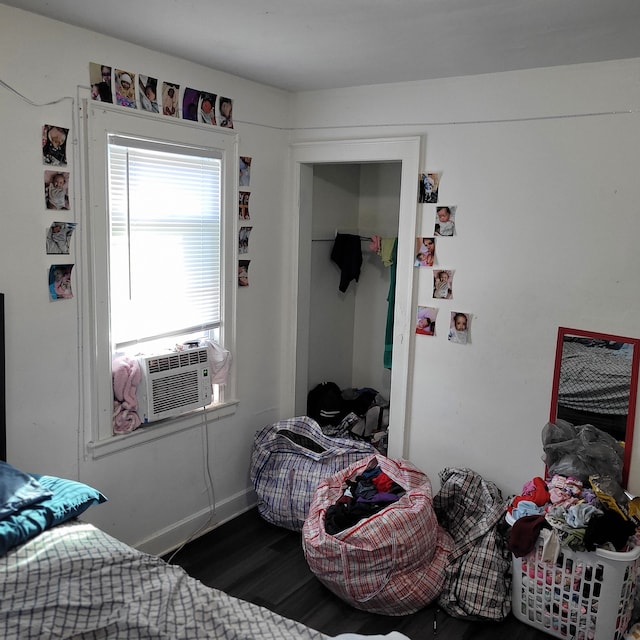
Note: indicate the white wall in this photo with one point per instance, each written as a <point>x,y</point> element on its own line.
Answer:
<point>543,166</point>
<point>379,213</point>
<point>336,190</point>
<point>157,492</point>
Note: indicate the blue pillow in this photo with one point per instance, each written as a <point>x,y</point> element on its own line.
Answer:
<point>68,500</point>
<point>18,490</point>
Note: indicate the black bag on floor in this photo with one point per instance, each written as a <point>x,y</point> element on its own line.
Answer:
<point>326,405</point>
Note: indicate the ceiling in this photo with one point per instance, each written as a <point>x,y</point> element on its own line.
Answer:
<point>300,45</point>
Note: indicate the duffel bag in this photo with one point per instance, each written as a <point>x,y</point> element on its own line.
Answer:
<point>289,460</point>
<point>392,562</point>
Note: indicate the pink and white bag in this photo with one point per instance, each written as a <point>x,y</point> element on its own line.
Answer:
<point>391,563</point>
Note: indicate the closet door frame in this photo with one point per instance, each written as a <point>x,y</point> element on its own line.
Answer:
<point>303,156</point>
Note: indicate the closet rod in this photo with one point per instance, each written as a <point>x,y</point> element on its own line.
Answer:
<point>363,238</point>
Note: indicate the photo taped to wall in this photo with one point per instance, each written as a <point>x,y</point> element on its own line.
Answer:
<point>190,100</point>
<point>443,284</point>
<point>243,273</point>
<point>225,112</point>
<point>445,224</point>
<point>428,185</point>
<point>59,237</point>
<point>100,81</point>
<point>126,88</point>
<point>245,171</point>
<point>54,145</point>
<point>243,205</point>
<point>56,189</point>
<point>243,239</point>
<point>460,327</point>
<point>207,108</point>
<point>424,252</point>
<point>148,93</point>
<point>170,94</point>
<point>60,281</point>
<point>426,321</point>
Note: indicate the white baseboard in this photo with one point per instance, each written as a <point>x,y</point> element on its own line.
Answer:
<point>188,529</point>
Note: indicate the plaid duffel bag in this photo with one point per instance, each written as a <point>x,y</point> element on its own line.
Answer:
<point>289,460</point>
<point>478,577</point>
<point>392,562</point>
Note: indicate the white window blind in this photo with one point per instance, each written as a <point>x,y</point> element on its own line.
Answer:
<point>165,240</point>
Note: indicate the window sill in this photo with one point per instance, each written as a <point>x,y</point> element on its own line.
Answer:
<point>161,429</point>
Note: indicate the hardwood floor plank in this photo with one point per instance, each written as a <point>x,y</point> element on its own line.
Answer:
<point>253,560</point>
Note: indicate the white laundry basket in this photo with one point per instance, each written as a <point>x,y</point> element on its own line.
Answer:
<point>583,596</point>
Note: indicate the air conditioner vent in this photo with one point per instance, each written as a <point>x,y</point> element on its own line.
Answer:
<point>176,360</point>
<point>173,383</point>
<point>175,391</point>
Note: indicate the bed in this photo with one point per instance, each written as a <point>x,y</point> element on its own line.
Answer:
<point>61,577</point>
<point>75,581</point>
<point>64,578</point>
<point>594,383</point>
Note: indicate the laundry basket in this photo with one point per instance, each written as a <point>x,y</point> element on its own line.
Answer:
<point>583,596</point>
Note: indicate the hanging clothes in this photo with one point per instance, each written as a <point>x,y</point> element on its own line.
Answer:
<point>387,248</point>
<point>347,254</point>
<point>391,298</point>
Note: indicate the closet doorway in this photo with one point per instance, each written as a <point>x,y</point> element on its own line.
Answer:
<point>365,188</point>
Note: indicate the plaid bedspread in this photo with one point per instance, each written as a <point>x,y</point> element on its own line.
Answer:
<point>75,581</point>
<point>595,379</point>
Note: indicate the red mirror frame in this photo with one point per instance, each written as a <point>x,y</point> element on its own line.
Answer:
<point>633,387</point>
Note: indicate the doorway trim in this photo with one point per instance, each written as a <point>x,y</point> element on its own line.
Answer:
<point>302,156</point>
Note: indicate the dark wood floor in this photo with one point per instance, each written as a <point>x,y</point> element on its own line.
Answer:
<point>256,561</point>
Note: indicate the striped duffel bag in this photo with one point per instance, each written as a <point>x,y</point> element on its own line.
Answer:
<point>392,562</point>
<point>289,460</point>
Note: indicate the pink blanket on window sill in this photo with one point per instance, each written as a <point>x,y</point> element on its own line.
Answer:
<point>126,375</point>
<point>124,420</point>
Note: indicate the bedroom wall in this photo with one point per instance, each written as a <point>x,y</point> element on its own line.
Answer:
<point>379,213</point>
<point>543,167</point>
<point>157,492</point>
<point>336,190</point>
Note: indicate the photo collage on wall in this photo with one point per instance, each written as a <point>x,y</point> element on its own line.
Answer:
<point>137,91</point>
<point>244,215</point>
<point>444,226</point>
<point>57,198</point>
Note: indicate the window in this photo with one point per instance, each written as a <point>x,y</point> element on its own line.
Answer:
<point>165,244</point>
<point>160,229</point>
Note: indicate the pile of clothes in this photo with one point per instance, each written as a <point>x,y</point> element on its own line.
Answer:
<point>391,562</point>
<point>368,493</point>
<point>564,511</point>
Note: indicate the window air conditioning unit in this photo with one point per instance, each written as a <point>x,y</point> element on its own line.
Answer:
<point>173,383</point>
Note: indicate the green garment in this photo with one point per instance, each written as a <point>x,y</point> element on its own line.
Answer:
<point>391,299</point>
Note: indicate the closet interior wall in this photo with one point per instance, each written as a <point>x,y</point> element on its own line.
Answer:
<point>347,330</point>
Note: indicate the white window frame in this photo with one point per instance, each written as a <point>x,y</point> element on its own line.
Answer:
<point>100,121</point>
